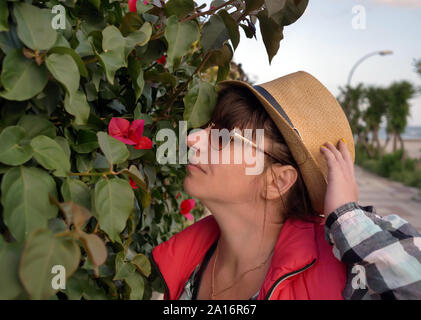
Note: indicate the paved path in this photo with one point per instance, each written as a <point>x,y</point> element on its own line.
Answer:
<point>389,197</point>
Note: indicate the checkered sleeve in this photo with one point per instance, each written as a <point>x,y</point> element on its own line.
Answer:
<point>382,254</point>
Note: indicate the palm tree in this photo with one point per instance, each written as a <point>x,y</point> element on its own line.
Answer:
<point>399,109</point>
<point>350,99</point>
<point>377,99</point>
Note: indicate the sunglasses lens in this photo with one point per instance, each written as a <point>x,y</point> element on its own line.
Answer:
<point>219,139</point>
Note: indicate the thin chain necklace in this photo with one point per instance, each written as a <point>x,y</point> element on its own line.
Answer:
<point>213,294</point>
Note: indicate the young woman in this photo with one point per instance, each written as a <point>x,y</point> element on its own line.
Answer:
<point>295,230</point>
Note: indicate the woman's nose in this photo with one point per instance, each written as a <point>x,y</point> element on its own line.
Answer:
<point>197,138</point>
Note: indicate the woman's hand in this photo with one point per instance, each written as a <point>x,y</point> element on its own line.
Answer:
<point>342,187</point>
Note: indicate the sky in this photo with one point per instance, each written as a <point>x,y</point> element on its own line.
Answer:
<point>326,43</point>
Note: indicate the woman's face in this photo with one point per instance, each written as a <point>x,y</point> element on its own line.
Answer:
<point>210,178</point>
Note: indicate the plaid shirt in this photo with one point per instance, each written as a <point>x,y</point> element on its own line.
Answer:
<point>382,254</point>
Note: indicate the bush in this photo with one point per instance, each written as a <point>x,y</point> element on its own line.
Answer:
<point>72,195</point>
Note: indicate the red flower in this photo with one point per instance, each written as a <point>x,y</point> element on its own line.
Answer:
<point>212,7</point>
<point>185,208</point>
<point>132,5</point>
<point>158,26</point>
<point>132,183</point>
<point>178,195</point>
<point>162,60</point>
<point>131,134</point>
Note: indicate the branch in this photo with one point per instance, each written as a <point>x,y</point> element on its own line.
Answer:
<point>184,85</point>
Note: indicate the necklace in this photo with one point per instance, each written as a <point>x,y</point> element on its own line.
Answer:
<point>213,294</point>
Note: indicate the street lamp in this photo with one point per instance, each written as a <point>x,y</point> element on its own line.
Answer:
<point>381,53</point>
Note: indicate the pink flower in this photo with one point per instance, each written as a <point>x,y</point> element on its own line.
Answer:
<point>132,5</point>
<point>131,134</point>
<point>186,206</point>
<point>162,60</point>
<point>133,183</point>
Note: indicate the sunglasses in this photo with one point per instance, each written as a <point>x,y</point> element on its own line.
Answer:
<point>218,143</point>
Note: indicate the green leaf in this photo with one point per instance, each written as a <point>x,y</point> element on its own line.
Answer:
<point>180,8</point>
<point>114,150</point>
<point>131,22</point>
<point>83,163</point>
<point>34,26</point>
<point>180,37</point>
<point>37,125</point>
<point>127,272</point>
<point>24,209</point>
<point>96,3</point>
<point>22,78</point>
<point>142,264</point>
<point>214,34</point>
<point>138,38</point>
<point>79,62</point>
<point>64,70</point>
<point>42,252</point>
<point>113,204</point>
<point>162,77</point>
<point>64,144</point>
<point>10,254</point>
<point>76,285</point>
<point>113,57</point>
<point>86,141</point>
<point>274,6</point>
<point>9,40</point>
<point>50,155</point>
<point>232,27</point>
<point>76,191</point>
<point>136,285</point>
<point>4,16</point>
<point>289,13</point>
<point>199,103</point>
<point>136,73</point>
<point>137,177</point>
<point>219,57</point>
<point>272,34</point>
<point>78,106</point>
<point>81,285</point>
<point>12,152</point>
<point>252,5</point>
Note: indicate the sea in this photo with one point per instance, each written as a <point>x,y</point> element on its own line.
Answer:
<point>411,133</point>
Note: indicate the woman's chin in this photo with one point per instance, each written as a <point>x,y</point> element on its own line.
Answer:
<point>189,186</point>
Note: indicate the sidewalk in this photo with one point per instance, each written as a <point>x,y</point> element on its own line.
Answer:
<point>389,197</point>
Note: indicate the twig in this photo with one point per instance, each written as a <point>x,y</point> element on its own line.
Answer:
<point>194,16</point>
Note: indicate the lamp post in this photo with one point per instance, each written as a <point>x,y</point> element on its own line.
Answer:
<point>381,53</point>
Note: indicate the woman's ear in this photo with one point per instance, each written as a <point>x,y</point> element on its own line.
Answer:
<point>279,179</point>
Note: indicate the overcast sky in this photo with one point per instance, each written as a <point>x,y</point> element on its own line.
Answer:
<point>324,43</point>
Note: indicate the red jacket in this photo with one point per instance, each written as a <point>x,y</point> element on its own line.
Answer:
<point>302,266</point>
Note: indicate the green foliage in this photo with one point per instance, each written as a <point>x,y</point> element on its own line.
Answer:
<point>71,193</point>
<point>391,166</point>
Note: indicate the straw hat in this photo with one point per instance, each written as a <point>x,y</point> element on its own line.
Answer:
<point>307,115</point>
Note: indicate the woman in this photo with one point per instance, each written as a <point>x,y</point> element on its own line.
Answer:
<point>266,237</point>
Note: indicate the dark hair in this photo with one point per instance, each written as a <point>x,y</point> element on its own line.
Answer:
<point>238,107</point>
